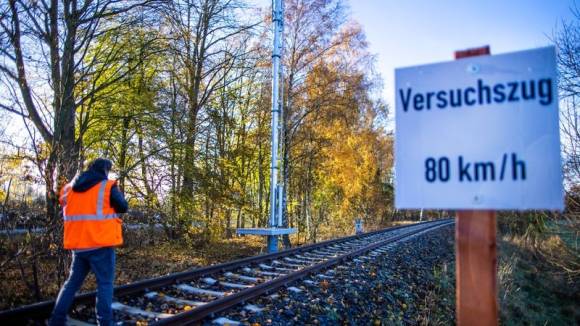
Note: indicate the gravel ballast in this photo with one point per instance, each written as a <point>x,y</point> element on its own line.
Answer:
<point>411,283</point>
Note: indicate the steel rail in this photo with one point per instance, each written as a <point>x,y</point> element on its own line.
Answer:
<point>216,306</point>
<point>42,310</point>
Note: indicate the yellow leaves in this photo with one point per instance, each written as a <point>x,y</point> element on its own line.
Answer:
<point>351,166</point>
<point>187,308</point>
<point>13,166</point>
<point>52,247</point>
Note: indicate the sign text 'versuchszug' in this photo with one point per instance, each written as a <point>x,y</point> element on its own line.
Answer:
<point>479,133</point>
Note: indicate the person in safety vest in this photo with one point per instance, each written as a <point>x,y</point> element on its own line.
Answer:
<point>92,228</point>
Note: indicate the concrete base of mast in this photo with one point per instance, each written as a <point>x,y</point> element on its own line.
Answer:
<point>271,233</point>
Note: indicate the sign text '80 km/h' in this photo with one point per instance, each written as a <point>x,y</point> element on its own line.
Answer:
<point>479,133</point>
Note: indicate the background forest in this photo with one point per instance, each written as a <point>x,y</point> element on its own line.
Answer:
<point>177,94</point>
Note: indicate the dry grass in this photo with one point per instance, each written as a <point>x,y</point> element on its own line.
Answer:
<point>538,280</point>
<point>537,276</point>
<point>134,262</point>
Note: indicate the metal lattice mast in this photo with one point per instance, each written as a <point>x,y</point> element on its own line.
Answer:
<point>282,180</point>
<point>277,22</point>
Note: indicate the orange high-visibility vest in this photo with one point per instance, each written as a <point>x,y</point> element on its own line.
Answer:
<point>89,219</point>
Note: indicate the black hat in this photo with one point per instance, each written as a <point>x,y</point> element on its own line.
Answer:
<point>101,165</point>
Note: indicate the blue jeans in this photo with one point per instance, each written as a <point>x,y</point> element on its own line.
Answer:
<point>102,263</point>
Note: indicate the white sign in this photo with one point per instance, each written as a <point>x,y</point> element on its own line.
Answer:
<point>479,133</point>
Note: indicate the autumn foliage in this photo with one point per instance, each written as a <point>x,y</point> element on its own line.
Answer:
<point>177,94</point>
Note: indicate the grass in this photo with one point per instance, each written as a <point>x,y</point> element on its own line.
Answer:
<point>538,280</point>
<point>439,305</point>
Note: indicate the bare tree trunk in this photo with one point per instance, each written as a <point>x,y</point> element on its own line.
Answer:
<point>123,151</point>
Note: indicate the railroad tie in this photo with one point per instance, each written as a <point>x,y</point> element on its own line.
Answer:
<point>311,259</point>
<point>167,298</point>
<point>264,266</point>
<point>235,285</point>
<point>194,290</point>
<point>326,253</point>
<point>212,281</point>
<point>294,289</point>
<point>231,275</point>
<point>137,311</point>
<point>338,250</point>
<point>315,256</point>
<point>270,273</point>
<point>298,261</point>
<point>268,267</point>
<point>253,308</point>
<point>294,266</point>
<point>224,321</point>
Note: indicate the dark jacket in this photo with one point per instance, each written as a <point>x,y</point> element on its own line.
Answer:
<point>93,176</point>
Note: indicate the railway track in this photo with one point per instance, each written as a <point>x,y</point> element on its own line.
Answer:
<point>188,297</point>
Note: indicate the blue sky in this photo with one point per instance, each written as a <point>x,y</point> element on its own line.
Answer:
<point>413,32</point>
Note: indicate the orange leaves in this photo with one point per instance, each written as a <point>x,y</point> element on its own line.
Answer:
<point>351,168</point>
